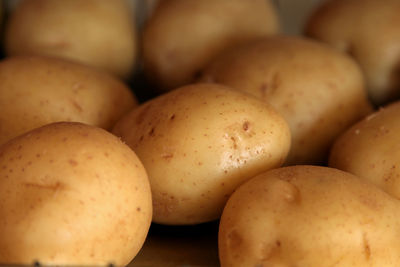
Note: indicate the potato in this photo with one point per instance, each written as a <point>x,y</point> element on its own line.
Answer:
<point>369,31</point>
<point>71,194</point>
<point>370,149</point>
<point>37,90</point>
<point>308,216</point>
<point>99,33</point>
<point>319,91</point>
<point>182,36</point>
<point>198,143</point>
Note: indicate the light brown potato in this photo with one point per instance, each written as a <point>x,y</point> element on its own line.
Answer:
<point>369,31</point>
<point>71,195</point>
<point>100,33</point>
<point>308,216</point>
<point>182,36</point>
<point>370,149</point>
<point>37,90</point>
<point>319,91</point>
<point>198,143</point>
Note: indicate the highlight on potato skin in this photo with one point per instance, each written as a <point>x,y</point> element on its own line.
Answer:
<point>71,195</point>
<point>309,216</point>
<point>370,149</point>
<point>198,143</point>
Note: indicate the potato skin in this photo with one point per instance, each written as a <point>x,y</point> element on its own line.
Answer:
<point>35,91</point>
<point>71,194</point>
<point>309,216</point>
<point>198,143</point>
<point>318,90</point>
<point>182,36</point>
<point>99,33</point>
<point>370,149</point>
<point>369,31</point>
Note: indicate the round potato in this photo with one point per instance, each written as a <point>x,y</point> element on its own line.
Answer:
<point>370,149</point>
<point>182,36</point>
<point>309,216</point>
<point>100,33</point>
<point>369,31</point>
<point>37,90</point>
<point>71,195</point>
<point>319,91</point>
<point>198,143</point>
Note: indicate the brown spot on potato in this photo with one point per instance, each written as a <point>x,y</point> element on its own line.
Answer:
<point>73,162</point>
<point>234,142</point>
<point>246,126</point>
<point>77,106</point>
<point>172,117</point>
<point>151,133</point>
<point>366,247</point>
<point>138,209</point>
<point>235,240</point>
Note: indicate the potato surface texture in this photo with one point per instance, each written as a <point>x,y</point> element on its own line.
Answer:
<point>370,149</point>
<point>319,91</point>
<point>71,194</point>
<point>182,36</point>
<point>308,216</point>
<point>35,91</point>
<point>369,31</point>
<point>198,143</point>
<point>99,33</point>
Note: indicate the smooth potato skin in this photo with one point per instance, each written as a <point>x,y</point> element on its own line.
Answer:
<point>369,31</point>
<point>182,36</point>
<point>36,90</point>
<point>319,91</point>
<point>99,33</point>
<point>370,149</point>
<point>198,143</point>
<point>71,194</point>
<point>309,216</point>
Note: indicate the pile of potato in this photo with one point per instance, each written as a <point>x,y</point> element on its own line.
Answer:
<point>291,142</point>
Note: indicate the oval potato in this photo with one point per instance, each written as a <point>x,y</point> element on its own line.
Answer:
<point>71,195</point>
<point>318,90</point>
<point>369,31</point>
<point>370,149</point>
<point>35,91</point>
<point>99,33</point>
<point>309,216</point>
<point>182,36</point>
<point>198,143</point>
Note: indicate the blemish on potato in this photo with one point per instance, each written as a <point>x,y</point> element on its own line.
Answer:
<point>366,246</point>
<point>234,240</point>
<point>73,162</point>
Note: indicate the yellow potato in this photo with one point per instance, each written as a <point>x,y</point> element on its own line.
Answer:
<point>308,216</point>
<point>100,33</point>
<point>198,143</point>
<point>182,36</point>
<point>370,149</point>
<point>318,90</point>
<point>36,90</point>
<point>369,31</point>
<point>71,195</point>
